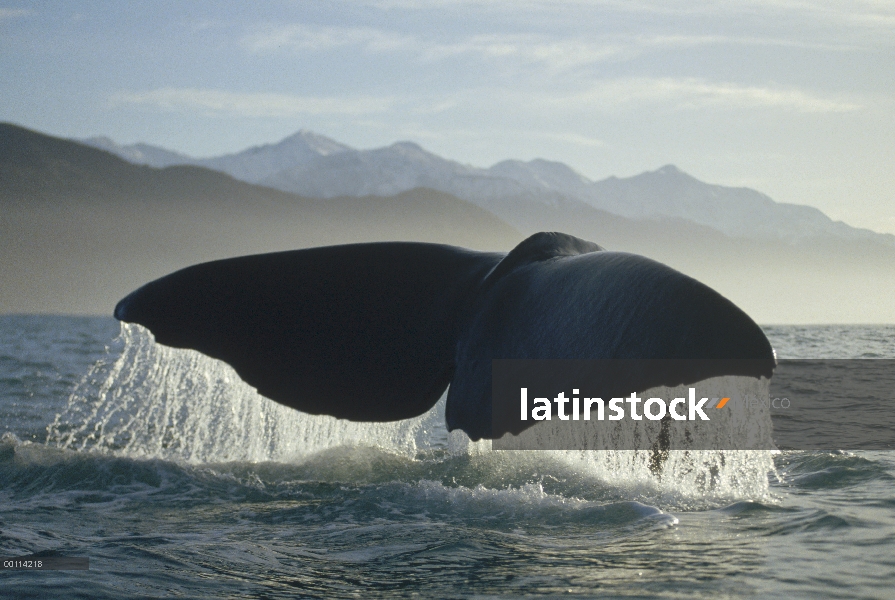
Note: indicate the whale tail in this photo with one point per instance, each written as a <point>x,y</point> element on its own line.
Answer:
<point>363,332</point>
<point>376,332</point>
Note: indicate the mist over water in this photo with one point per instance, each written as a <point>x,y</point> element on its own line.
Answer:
<point>174,477</point>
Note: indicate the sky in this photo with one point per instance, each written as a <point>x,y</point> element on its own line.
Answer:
<point>794,98</point>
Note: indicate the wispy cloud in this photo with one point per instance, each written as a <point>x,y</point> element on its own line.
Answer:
<point>554,52</point>
<point>13,13</point>
<point>615,94</point>
<point>574,138</point>
<point>317,38</point>
<point>222,102</point>
<point>564,53</point>
<point>692,93</point>
<point>539,7</point>
<point>872,13</point>
<point>660,42</point>
<point>860,12</point>
<point>520,47</point>
<point>847,22</point>
<point>531,5</point>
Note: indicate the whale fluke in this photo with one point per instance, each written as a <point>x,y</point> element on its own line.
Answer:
<point>377,331</point>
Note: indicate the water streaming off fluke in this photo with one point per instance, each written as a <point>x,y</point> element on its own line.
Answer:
<point>150,401</point>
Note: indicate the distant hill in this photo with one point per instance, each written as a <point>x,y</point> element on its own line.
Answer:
<point>258,163</point>
<point>253,164</point>
<point>313,165</point>
<point>80,227</point>
<point>738,212</point>
<point>818,280</point>
<point>140,154</point>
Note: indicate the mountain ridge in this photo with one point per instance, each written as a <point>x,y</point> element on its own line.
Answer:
<point>81,227</point>
<point>326,168</point>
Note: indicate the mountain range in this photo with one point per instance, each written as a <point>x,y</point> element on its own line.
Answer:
<point>314,165</point>
<point>80,227</point>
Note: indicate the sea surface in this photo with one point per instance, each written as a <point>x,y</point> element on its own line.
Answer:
<point>176,479</point>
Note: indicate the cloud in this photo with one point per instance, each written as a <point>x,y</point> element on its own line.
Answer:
<point>660,42</point>
<point>692,93</point>
<point>840,8</point>
<point>613,94</point>
<point>13,13</point>
<point>562,54</point>
<point>520,6</point>
<point>574,138</point>
<point>524,47</point>
<point>306,37</point>
<point>220,102</point>
<point>867,13</point>
<point>528,48</point>
<point>799,17</point>
<point>554,52</point>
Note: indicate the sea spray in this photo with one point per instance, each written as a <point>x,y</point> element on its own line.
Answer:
<point>153,401</point>
<point>150,401</point>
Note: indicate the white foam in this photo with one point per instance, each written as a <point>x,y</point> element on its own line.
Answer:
<point>151,401</point>
<point>160,402</point>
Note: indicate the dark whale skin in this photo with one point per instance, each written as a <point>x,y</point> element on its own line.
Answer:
<point>377,331</point>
